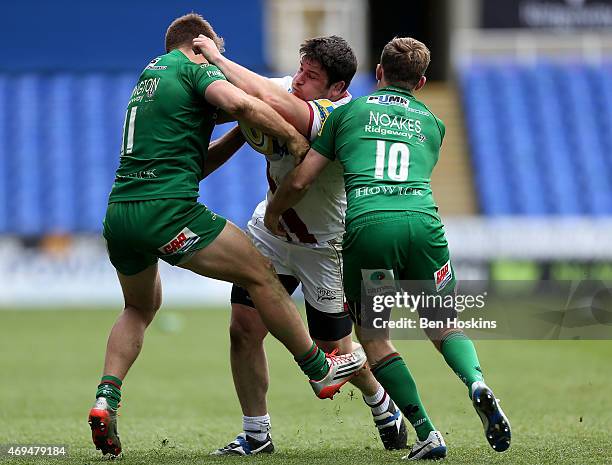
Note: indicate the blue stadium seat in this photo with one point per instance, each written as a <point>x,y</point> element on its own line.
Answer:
<point>59,201</point>
<point>24,156</point>
<point>554,153</point>
<point>517,138</point>
<point>544,130</point>
<point>602,78</point>
<point>4,171</point>
<point>490,172</point>
<point>586,144</point>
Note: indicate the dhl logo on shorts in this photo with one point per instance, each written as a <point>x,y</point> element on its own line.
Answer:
<point>181,243</point>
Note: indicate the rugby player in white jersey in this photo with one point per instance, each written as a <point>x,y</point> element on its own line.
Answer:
<point>310,253</point>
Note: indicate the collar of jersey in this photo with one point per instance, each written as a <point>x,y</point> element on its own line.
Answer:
<point>179,53</point>
<point>397,89</point>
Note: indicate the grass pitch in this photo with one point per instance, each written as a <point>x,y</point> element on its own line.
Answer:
<point>179,402</point>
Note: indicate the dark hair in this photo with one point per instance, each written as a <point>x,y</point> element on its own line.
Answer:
<point>335,56</point>
<point>186,28</point>
<point>404,60</point>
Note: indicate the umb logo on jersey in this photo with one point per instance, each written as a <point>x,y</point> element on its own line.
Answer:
<point>181,243</point>
<point>443,276</point>
<point>388,99</point>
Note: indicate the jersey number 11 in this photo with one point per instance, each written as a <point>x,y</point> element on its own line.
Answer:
<point>127,145</point>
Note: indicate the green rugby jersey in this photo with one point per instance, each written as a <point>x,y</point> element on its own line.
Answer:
<point>388,143</point>
<point>167,129</point>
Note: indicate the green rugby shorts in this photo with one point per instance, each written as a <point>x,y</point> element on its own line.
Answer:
<point>138,233</point>
<point>396,245</point>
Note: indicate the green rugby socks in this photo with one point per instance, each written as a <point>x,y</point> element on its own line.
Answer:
<point>110,389</point>
<point>460,354</point>
<point>313,363</point>
<point>393,374</point>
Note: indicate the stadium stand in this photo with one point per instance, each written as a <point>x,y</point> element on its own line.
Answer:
<point>452,180</point>
<point>540,136</point>
<point>59,149</point>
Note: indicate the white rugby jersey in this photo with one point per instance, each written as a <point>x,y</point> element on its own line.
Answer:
<point>319,216</point>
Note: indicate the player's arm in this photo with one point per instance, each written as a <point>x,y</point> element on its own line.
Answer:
<point>294,188</point>
<point>223,118</point>
<point>296,111</point>
<point>258,114</point>
<point>222,149</point>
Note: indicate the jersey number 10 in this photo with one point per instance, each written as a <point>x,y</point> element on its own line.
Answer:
<point>398,161</point>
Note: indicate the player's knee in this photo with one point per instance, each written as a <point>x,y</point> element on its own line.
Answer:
<point>260,273</point>
<point>245,333</point>
<point>266,273</point>
<point>144,313</point>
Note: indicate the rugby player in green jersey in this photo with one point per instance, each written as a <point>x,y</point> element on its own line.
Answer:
<point>153,213</point>
<point>388,144</point>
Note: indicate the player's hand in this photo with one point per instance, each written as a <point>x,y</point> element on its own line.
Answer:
<point>207,47</point>
<point>298,147</point>
<point>272,222</point>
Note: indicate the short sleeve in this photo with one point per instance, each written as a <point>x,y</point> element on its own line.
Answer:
<point>204,75</point>
<point>442,129</point>
<point>325,143</point>
<point>319,111</point>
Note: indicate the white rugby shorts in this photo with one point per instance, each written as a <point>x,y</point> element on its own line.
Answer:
<point>317,266</point>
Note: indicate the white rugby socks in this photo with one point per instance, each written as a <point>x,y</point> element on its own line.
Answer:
<point>257,427</point>
<point>379,402</point>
